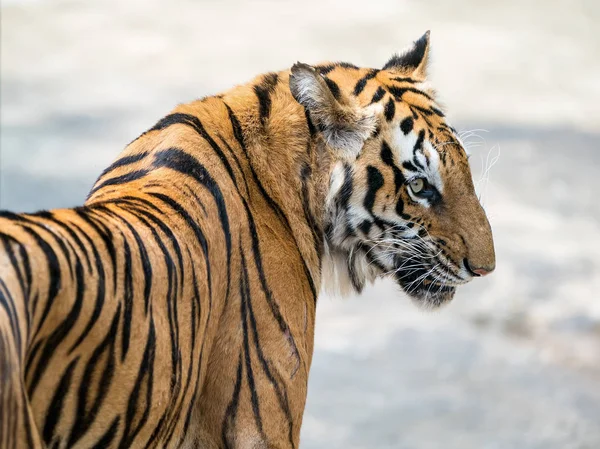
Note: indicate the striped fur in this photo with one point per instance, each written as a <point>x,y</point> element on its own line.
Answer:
<point>176,308</point>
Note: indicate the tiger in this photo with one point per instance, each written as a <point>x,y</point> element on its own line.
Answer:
<point>176,307</point>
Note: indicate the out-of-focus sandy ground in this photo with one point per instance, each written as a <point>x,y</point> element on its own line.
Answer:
<point>514,361</point>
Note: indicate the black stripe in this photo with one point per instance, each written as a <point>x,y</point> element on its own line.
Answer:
<point>118,180</point>
<point>244,296</point>
<point>107,237</point>
<point>178,411</point>
<point>122,162</point>
<point>390,110</point>
<point>61,330</point>
<point>436,111</point>
<point>143,252</point>
<point>360,85</point>
<point>127,298</point>
<point>365,226</point>
<point>199,234</point>
<point>195,305</point>
<point>142,388</point>
<point>263,91</point>
<point>8,304</point>
<point>237,162</point>
<point>196,124</point>
<point>311,127</point>
<point>398,92</point>
<point>378,95</point>
<point>419,147</point>
<point>333,87</point>
<point>346,65</point>
<point>54,411</point>
<point>95,382</point>
<point>407,125</point>
<point>172,285</point>
<point>279,390</point>
<point>325,69</point>
<point>54,274</point>
<point>388,158</point>
<point>403,79</point>
<point>232,408</point>
<point>374,183</point>
<point>7,240</point>
<point>408,165</point>
<point>239,136</point>
<point>273,305</point>
<point>180,161</point>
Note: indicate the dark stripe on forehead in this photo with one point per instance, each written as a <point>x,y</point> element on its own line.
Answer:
<point>408,165</point>
<point>346,65</point>
<point>374,183</point>
<point>360,85</point>
<point>419,142</point>
<point>390,109</point>
<point>378,95</point>
<point>263,91</point>
<point>419,147</point>
<point>388,159</point>
<point>403,80</point>
<point>325,69</point>
<point>398,92</point>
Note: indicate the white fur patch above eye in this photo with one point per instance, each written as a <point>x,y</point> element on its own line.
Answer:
<point>403,145</point>
<point>434,175</point>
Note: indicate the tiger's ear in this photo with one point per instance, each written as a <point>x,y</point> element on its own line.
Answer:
<point>344,125</point>
<point>413,61</point>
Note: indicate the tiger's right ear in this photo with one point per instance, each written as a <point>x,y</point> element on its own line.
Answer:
<point>344,125</point>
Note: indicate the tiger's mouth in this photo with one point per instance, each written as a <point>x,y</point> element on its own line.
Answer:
<point>425,288</point>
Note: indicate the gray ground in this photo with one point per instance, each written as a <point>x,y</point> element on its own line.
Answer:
<point>514,361</point>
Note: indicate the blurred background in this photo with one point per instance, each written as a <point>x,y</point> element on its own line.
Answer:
<point>514,361</point>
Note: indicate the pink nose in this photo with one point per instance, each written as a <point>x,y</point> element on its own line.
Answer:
<point>481,271</point>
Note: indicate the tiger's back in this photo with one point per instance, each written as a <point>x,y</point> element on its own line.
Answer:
<point>128,293</point>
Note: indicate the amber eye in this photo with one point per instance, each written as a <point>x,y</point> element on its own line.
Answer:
<point>417,185</point>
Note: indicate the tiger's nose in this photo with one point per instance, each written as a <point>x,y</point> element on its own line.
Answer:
<point>478,271</point>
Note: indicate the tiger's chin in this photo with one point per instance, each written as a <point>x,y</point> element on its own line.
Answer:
<point>428,294</point>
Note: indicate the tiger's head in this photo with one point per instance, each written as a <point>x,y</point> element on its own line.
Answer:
<point>400,200</point>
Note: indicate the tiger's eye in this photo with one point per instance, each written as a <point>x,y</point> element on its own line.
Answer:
<point>417,185</point>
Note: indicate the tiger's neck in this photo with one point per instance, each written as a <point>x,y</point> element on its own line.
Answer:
<point>260,145</point>
<point>288,167</point>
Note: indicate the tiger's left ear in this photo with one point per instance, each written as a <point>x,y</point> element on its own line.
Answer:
<point>413,61</point>
<point>343,123</point>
